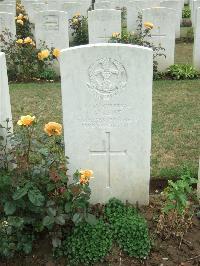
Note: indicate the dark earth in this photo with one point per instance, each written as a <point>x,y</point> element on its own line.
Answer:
<point>165,252</point>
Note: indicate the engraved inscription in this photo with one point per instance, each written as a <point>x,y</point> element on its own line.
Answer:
<point>112,115</point>
<point>51,23</point>
<point>107,77</point>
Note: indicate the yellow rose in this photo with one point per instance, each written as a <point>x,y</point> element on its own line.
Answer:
<point>19,41</point>
<point>75,20</point>
<point>20,16</point>
<point>83,180</point>
<point>87,173</point>
<point>85,176</point>
<point>43,54</point>
<point>26,120</point>
<point>28,40</point>
<point>56,52</point>
<point>19,21</point>
<point>116,35</point>
<point>53,129</point>
<point>148,25</point>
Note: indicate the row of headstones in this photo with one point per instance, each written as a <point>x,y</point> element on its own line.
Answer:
<point>110,130</point>
<point>52,26</point>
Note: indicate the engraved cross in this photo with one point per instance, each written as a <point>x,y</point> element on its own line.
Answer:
<point>108,153</point>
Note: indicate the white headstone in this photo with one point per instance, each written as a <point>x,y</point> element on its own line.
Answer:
<point>195,6</point>
<point>37,7</point>
<point>196,48</point>
<point>102,23</point>
<point>106,127</point>
<point>28,5</point>
<point>51,26</point>
<point>7,22</point>
<point>163,33</point>
<point>176,5</point>
<point>134,8</point>
<point>5,107</point>
<point>9,8</point>
<point>73,8</point>
<point>103,5</point>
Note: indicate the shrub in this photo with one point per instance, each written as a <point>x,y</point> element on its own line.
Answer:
<point>34,189</point>
<point>13,238</point>
<point>141,37</point>
<point>184,71</point>
<point>129,228</point>
<point>88,243</point>
<point>25,62</point>
<point>186,13</point>
<point>177,212</point>
<point>79,26</point>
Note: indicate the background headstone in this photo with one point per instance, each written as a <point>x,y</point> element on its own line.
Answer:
<point>51,26</point>
<point>7,21</point>
<point>102,23</point>
<point>136,7</point>
<point>5,107</point>
<point>163,33</point>
<point>104,90</point>
<point>196,48</point>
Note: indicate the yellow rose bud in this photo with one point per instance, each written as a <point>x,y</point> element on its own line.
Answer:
<point>148,25</point>
<point>19,41</point>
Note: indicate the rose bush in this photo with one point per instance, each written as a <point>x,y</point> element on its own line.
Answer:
<point>36,195</point>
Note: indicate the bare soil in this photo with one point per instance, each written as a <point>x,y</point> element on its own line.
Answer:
<point>165,252</point>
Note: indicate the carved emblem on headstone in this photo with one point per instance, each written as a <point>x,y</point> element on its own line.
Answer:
<point>107,77</point>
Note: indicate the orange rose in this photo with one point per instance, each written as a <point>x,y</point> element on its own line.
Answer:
<point>53,129</point>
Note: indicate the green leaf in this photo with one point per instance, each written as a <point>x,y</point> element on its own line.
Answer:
<point>77,218</point>
<point>44,152</point>
<point>21,192</point>
<point>51,211</point>
<point>36,197</point>
<point>9,208</point>
<point>56,242</point>
<point>60,219</point>
<point>91,219</point>
<point>68,207</point>
<point>15,221</point>
<point>48,220</point>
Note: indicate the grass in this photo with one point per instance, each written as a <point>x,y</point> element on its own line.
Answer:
<point>176,120</point>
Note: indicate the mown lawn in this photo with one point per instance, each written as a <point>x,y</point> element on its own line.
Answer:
<point>176,116</point>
